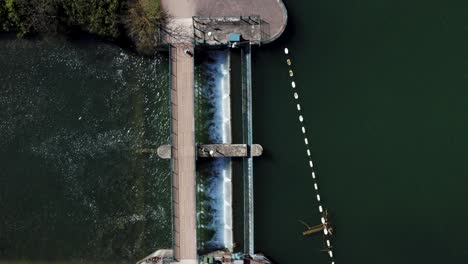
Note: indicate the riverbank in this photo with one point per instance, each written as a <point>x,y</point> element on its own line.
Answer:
<point>131,23</point>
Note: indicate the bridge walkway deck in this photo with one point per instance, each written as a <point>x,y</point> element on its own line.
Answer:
<point>183,154</point>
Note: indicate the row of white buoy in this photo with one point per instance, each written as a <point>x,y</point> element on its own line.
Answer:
<point>306,142</point>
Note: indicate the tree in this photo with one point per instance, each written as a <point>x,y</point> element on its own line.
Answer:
<point>99,17</point>
<point>142,22</point>
<point>12,18</point>
<point>3,16</point>
<point>28,16</point>
<point>141,18</point>
<point>38,16</point>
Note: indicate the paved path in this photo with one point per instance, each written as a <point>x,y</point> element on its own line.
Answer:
<point>183,137</point>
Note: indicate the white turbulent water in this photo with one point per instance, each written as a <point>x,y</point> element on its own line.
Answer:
<point>219,189</point>
<point>73,116</point>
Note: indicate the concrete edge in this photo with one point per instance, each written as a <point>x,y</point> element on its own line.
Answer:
<point>164,151</point>
<point>283,27</point>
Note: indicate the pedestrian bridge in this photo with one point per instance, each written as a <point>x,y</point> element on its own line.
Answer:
<point>183,152</point>
<point>192,26</point>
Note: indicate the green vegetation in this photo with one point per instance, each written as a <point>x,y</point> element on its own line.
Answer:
<point>141,22</point>
<point>100,17</point>
<point>137,20</point>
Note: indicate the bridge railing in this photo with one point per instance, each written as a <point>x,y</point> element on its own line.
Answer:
<point>171,94</point>
<point>246,65</point>
<point>215,30</point>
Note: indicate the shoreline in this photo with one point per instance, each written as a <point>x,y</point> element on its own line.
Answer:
<point>128,24</point>
<point>77,37</point>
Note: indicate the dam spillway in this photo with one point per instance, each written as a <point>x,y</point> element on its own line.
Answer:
<point>185,149</point>
<point>184,35</point>
<point>213,134</point>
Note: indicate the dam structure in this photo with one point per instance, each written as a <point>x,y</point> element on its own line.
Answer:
<point>197,25</point>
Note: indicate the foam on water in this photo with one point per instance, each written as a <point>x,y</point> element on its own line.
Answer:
<point>221,133</point>
<point>219,187</point>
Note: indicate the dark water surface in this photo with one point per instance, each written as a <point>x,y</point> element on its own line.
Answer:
<point>383,86</point>
<point>75,118</point>
<point>384,89</point>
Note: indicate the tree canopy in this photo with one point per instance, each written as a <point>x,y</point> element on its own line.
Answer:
<point>137,20</point>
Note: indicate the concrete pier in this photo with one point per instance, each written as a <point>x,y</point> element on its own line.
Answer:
<point>216,151</point>
<point>272,13</point>
<point>228,150</point>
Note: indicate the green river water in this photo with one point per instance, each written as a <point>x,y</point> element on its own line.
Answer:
<point>76,184</point>
<point>383,86</point>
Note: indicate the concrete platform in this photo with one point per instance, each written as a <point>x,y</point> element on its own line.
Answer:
<point>164,151</point>
<point>217,151</point>
<point>273,12</point>
<point>228,150</point>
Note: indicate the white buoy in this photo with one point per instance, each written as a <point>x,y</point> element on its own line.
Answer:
<point>315,186</point>
<point>323,220</point>
<point>293,84</point>
<point>306,141</point>
<point>330,253</point>
<point>301,118</point>
<point>298,107</point>
<point>325,232</point>
<point>286,51</point>
<point>296,96</point>
<point>313,175</point>
<point>291,73</point>
<point>318,197</point>
<point>211,153</point>
<point>311,164</point>
<point>320,208</point>
<point>328,243</point>
<point>303,130</point>
<point>308,153</point>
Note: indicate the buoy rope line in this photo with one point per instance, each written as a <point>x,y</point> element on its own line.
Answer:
<point>295,92</point>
